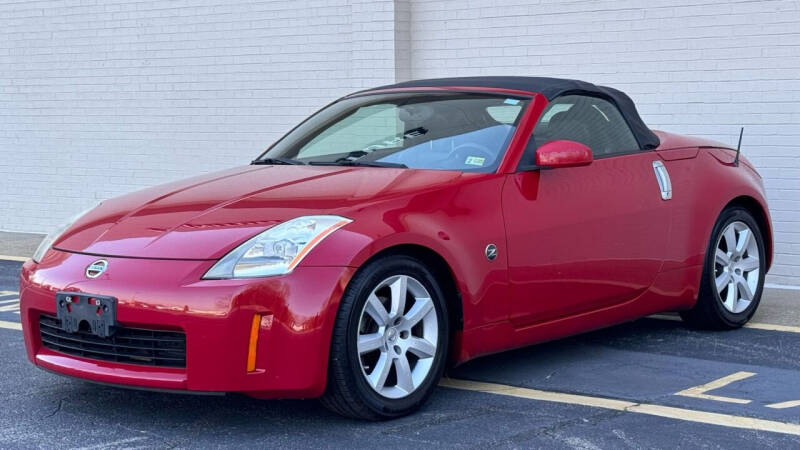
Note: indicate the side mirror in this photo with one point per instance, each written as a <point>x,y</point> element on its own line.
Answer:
<point>563,153</point>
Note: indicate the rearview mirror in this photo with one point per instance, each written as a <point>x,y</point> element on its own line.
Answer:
<point>563,153</point>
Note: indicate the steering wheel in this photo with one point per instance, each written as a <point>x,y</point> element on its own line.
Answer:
<point>471,149</point>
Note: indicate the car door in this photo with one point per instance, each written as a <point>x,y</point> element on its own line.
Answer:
<point>583,238</point>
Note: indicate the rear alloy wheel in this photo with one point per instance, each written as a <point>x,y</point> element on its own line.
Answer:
<point>733,275</point>
<point>737,267</point>
<point>389,341</point>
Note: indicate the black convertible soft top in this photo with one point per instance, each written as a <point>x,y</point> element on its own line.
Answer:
<point>550,88</point>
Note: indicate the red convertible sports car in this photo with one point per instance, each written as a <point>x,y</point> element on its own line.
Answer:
<point>396,232</point>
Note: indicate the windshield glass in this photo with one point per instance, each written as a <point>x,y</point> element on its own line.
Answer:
<point>444,131</point>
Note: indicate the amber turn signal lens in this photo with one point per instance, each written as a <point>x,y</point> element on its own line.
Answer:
<point>253,347</point>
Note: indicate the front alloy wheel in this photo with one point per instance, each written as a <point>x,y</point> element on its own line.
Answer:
<point>397,336</point>
<point>389,341</point>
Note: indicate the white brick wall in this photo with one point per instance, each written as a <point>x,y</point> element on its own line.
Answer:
<point>703,68</point>
<point>98,98</point>
<point>151,91</point>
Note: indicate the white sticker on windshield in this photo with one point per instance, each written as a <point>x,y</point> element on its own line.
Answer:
<point>475,160</point>
<point>511,101</point>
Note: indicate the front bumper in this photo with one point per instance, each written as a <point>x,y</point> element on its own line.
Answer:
<point>298,312</point>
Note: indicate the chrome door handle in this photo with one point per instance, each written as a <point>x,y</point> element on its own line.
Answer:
<point>664,183</point>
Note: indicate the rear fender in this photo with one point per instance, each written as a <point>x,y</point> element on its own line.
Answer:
<point>702,188</point>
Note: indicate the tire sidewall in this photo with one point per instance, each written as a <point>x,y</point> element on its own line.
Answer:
<point>359,291</point>
<point>726,218</point>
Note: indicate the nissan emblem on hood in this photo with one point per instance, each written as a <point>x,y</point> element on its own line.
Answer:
<point>96,268</point>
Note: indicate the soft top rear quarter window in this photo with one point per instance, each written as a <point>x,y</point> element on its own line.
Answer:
<point>592,121</point>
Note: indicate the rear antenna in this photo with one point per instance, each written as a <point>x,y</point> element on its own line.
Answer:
<point>738,148</point>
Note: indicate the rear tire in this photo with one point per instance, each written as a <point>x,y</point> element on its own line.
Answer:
<point>733,273</point>
<point>390,341</point>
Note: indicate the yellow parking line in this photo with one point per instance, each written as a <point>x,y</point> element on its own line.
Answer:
<point>690,415</point>
<point>14,258</point>
<point>11,325</point>
<point>700,391</point>
<point>752,325</point>
<point>783,405</point>
<point>773,327</point>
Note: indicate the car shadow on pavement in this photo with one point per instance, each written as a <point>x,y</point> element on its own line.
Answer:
<point>235,409</point>
<point>451,416</point>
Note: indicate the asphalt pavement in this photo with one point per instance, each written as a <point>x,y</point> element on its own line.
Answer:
<point>646,384</point>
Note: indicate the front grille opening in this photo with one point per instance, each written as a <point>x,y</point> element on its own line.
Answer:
<point>127,345</point>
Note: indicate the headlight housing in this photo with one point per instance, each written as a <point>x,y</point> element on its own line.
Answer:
<point>276,251</point>
<point>51,237</point>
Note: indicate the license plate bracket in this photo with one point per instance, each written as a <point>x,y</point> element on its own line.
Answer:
<point>99,312</point>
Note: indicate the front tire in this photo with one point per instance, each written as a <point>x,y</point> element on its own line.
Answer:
<point>390,341</point>
<point>733,273</point>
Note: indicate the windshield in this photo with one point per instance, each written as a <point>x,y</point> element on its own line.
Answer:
<point>444,131</point>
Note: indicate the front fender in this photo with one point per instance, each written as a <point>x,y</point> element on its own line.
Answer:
<point>457,222</point>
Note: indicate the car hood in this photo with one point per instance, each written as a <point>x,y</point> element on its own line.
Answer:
<point>205,217</point>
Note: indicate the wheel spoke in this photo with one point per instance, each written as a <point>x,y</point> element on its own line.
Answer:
<point>730,239</point>
<point>369,342</point>
<point>403,370</point>
<point>421,308</point>
<point>744,240</point>
<point>730,298</point>
<point>376,310</point>
<point>723,280</point>
<point>377,378</point>
<point>399,292</point>
<point>744,289</point>
<point>421,347</point>
<point>722,258</point>
<point>748,264</point>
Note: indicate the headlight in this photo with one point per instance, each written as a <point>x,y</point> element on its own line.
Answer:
<point>278,250</point>
<point>45,245</point>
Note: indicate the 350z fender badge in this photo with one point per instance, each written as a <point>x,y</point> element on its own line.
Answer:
<point>491,252</point>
